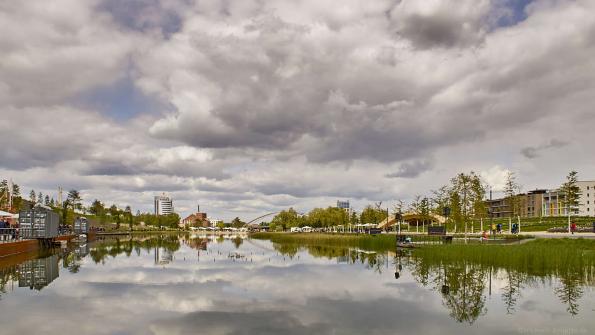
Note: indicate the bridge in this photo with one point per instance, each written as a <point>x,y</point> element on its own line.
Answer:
<point>413,219</point>
<point>253,221</point>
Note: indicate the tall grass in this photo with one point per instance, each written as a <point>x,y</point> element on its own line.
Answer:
<point>541,257</point>
<point>381,242</point>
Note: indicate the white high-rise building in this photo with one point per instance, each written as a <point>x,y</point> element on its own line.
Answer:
<point>586,200</point>
<point>163,205</point>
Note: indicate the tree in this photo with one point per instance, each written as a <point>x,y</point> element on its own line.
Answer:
<point>65,206</point>
<point>469,199</point>
<point>571,194</point>
<point>478,192</point>
<point>47,200</point>
<point>97,208</point>
<point>115,214</point>
<point>128,213</point>
<point>511,189</point>
<point>372,215</point>
<point>286,219</point>
<point>4,194</point>
<point>440,199</point>
<point>571,191</point>
<point>40,198</point>
<point>16,197</point>
<point>32,197</point>
<point>74,197</point>
<point>354,219</point>
<point>237,223</point>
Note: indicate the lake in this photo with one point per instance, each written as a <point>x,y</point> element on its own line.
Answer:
<point>183,284</point>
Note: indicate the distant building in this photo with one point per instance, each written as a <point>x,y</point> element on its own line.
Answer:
<point>553,204</point>
<point>198,219</point>
<point>586,200</point>
<point>498,208</point>
<point>215,222</point>
<point>163,205</point>
<point>343,204</point>
<point>531,203</point>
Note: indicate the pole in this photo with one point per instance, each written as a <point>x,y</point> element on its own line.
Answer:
<point>481,224</point>
<point>519,221</point>
<point>510,225</point>
<point>491,210</point>
<point>387,217</point>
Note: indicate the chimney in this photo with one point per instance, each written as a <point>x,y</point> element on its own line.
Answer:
<point>198,208</point>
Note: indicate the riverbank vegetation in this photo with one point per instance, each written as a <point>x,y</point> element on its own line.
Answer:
<point>369,242</point>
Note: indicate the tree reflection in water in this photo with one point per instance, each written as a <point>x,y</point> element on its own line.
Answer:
<point>463,275</point>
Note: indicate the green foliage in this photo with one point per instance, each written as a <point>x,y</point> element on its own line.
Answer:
<point>326,217</point>
<point>287,219</point>
<point>97,208</point>
<point>571,191</point>
<point>372,215</point>
<point>170,220</point>
<point>511,189</point>
<point>368,242</point>
<point>75,200</point>
<point>464,196</point>
<point>237,223</point>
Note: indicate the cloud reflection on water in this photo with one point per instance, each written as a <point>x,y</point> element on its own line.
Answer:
<point>120,290</point>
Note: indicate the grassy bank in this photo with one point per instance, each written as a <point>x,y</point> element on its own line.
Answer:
<point>368,242</point>
<point>534,255</point>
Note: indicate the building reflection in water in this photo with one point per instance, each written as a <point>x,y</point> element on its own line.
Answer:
<point>163,256</point>
<point>38,273</point>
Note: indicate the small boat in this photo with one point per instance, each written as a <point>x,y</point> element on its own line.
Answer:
<point>407,245</point>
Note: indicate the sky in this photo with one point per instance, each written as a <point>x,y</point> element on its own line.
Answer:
<point>248,106</point>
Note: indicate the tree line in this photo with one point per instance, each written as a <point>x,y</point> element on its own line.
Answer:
<point>462,201</point>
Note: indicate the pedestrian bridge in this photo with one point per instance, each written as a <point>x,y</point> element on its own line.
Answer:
<point>256,221</point>
<point>413,219</point>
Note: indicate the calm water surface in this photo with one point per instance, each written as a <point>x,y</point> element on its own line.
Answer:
<point>234,285</point>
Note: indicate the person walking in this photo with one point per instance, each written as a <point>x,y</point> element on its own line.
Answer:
<point>573,227</point>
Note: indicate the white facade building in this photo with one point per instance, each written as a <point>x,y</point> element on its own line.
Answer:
<point>215,222</point>
<point>163,205</point>
<point>586,200</point>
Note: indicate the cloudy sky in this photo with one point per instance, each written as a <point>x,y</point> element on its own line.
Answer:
<point>251,106</point>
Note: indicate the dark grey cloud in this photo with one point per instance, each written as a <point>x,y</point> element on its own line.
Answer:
<point>146,15</point>
<point>441,25</point>
<point>411,169</point>
<point>439,31</point>
<point>534,152</point>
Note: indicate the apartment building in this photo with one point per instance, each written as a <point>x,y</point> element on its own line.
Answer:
<point>586,201</point>
<point>163,205</point>
<point>531,203</point>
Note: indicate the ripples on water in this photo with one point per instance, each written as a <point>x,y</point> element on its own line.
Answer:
<point>187,285</point>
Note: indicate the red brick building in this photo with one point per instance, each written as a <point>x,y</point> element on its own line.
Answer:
<point>196,220</point>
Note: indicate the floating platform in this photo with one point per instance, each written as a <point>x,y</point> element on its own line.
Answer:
<point>24,246</point>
